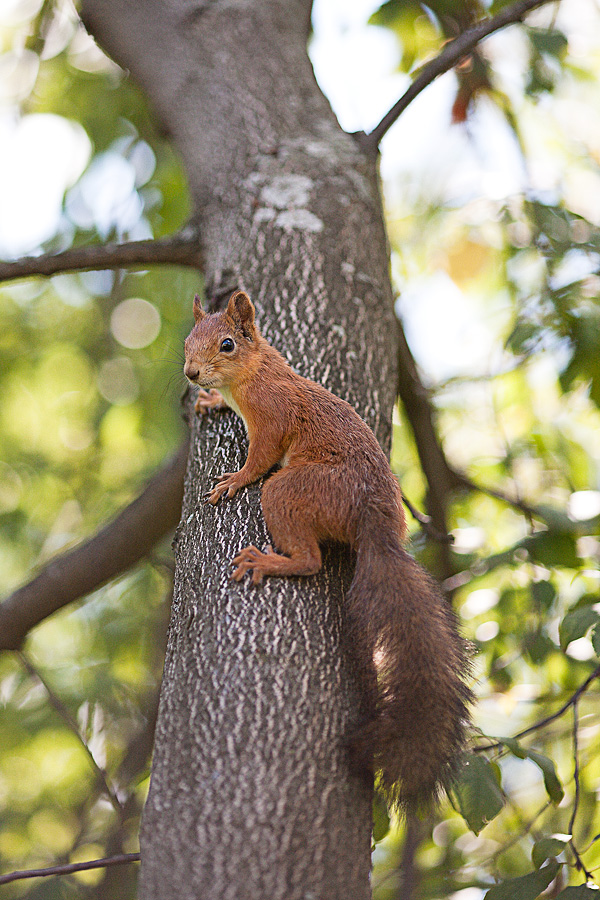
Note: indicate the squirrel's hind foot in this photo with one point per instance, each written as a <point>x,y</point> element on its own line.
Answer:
<point>251,559</point>
<point>303,562</point>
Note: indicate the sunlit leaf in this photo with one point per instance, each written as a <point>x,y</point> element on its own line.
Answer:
<point>551,780</point>
<point>576,624</point>
<point>527,887</point>
<point>553,549</point>
<point>381,818</point>
<point>579,892</point>
<point>478,792</point>
<point>547,848</point>
<point>549,41</point>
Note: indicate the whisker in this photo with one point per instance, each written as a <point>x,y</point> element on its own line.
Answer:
<point>174,349</point>
<point>168,386</point>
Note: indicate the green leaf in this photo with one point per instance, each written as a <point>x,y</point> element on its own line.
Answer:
<point>576,624</point>
<point>557,520</point>
<point>579,892</point>
<point>548,847</point>
<point>478,792</point>
<point>515,748</point>
<point>391,13</point>
<point>538,645</point>
<point>527,887</point>
<point>553,549</point>
<point>381,818</point>
<point>524,337</point>
<point>596,640</point>
<point>551,780</point>
<point>543,593</point>
<point>549,41</point>
<point>552,783</point>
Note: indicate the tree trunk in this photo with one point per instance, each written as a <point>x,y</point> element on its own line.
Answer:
<point>252,796</point>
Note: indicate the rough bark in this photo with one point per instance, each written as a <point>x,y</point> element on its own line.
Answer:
<point>252,795</point>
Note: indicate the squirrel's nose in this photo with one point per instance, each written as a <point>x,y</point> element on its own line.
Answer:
<point>190,371</point>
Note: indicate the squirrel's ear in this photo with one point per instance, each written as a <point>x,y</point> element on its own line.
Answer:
<point>199,313</point>
<point>241,310</point>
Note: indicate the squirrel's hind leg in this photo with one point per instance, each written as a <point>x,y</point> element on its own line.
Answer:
<point>292,529</point>
<point>305,560</point>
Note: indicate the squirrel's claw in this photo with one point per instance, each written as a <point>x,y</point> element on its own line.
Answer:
<point>247,561</point>
<point>225,483</point>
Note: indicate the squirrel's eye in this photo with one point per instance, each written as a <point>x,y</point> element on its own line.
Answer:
<point>227,345</point>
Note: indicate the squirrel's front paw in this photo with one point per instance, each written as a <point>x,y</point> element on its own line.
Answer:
<point>227,482</point>
<point>208,400</point>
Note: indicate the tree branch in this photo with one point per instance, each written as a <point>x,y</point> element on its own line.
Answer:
<point>530,512</point>
<point>441,479</point>
<point>113,550</point>
<point>572,701</point>
<point>71,867</point>
<point>452,53</point>
<point>579,864</point>
<point>425,523</point>
<point>179,249</point>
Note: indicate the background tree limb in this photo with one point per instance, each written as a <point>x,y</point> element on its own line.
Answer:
<point>441,478</point>
<point>113,550</point>
<point>179,249</point>
<point>452,53</point>
<point>67,869</point>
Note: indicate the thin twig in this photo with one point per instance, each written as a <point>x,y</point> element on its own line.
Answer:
<point>526,828</point>
<point>573,700</point>
<point>589,845</point>
<point>66,716</point>
<point>452,53</point>
<point>529,511</point>
<point>68,868</point>
<point>575,769</point>
<point>579,864</point>
<point>425,522</point>
<point>546,721</point>
<point>179,249</point>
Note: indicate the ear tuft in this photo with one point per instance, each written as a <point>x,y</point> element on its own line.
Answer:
<point>199,313</point>
<point>241,310</point>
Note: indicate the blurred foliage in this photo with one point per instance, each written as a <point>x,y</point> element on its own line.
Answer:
<point>499,292</point>
<point>90,384</point>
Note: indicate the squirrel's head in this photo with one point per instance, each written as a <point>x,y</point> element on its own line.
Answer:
<point>221,347</point>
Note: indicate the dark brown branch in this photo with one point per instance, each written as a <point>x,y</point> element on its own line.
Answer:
<point>425,523</point>
<point>409,883</point>
<point>71,867</point>
<point>441,479</point>
<point>452,53</point>
<point>180,249</point>
<point>113,550</point>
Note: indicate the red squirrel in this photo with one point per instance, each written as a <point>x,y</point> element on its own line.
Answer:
<point>334,483</point>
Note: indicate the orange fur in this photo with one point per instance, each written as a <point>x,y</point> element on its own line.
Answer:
<point>335,484</point>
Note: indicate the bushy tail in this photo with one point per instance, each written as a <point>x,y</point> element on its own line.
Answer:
<point>403,634</point>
